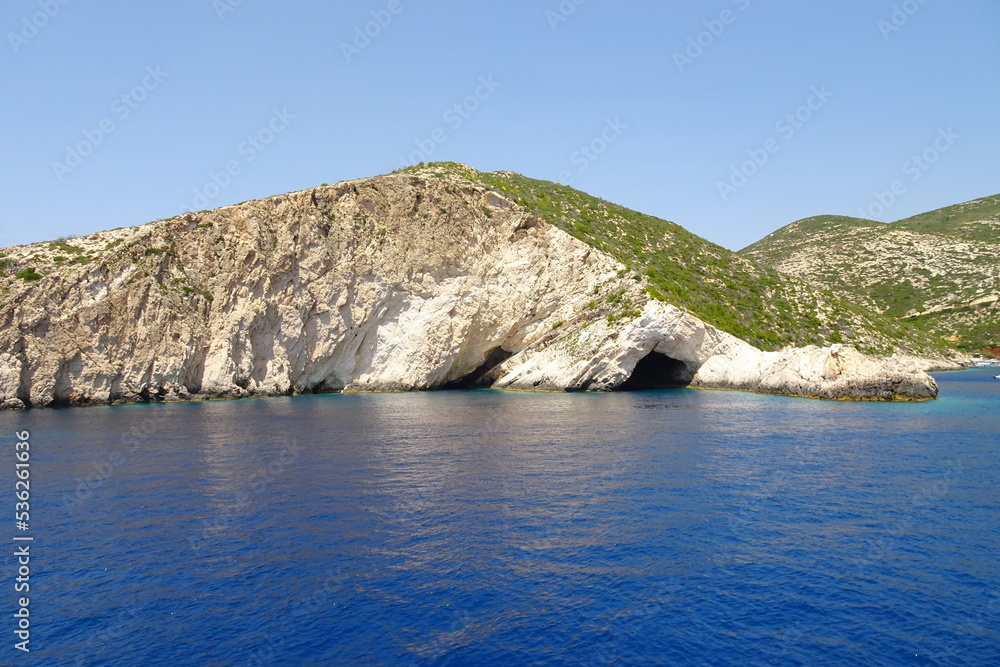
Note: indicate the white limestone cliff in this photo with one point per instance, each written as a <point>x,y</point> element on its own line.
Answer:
<point>393,283</point>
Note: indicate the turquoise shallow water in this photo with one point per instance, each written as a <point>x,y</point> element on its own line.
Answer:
<point>485,527</point>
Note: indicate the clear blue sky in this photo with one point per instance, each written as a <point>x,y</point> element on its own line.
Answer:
<point>923,82</point>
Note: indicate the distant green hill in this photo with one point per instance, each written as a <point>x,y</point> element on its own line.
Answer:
<point>737,294</point>
<point>939,270</point>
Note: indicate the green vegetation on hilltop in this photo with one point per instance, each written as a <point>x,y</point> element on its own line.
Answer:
<point>937,271</point>
<point>806,230</point>
<point>977,220</point>
<point>736,294</point>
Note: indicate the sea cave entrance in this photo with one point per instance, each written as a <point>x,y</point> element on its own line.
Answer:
<point>480,378</point>
<point>658,371</point>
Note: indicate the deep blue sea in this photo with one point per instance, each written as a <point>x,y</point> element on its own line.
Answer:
<point>676,527</point>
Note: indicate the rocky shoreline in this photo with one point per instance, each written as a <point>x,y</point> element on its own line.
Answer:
<point>390,284</point>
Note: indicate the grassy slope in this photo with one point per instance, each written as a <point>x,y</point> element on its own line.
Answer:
<point>943,258</point>
<point>977,220</point>
<point>756,303</point>
<point>809,236</point>
<point>804,232</point>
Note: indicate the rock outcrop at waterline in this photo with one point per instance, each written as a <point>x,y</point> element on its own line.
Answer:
<point>395,283</point>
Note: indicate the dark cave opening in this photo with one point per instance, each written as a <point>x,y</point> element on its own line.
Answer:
<point>149,396</point>
<point>658,371</point>
<point>479,378</point>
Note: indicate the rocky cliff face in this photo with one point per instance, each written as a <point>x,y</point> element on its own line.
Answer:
<point>400,282</point>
